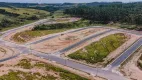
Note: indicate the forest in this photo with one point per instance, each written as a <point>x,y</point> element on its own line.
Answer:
<point>126,13</point>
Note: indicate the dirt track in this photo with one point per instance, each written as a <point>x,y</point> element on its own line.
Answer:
<point>58,20</point>
<point>6,52</point>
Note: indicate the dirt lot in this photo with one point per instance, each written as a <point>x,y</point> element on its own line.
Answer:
<point>130,40</point>
<point>58,20</point>
<point>65,40</point>
<point>6,52</point>
<point>130,68</point>
<point>15,65</point>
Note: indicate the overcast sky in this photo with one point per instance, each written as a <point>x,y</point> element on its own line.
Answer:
<point>62,1</point>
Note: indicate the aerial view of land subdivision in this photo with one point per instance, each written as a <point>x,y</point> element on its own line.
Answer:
<point>70,40</point>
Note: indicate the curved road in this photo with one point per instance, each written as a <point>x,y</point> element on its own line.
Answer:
<point>53,36</point>
<point>93,71</point>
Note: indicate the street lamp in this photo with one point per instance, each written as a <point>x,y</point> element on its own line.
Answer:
<point>30,50</point>
<point>65,59</point>
<point>96,53</point>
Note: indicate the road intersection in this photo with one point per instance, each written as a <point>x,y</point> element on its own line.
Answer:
<point>106,73</point>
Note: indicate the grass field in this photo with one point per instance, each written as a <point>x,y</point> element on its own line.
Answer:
<point>14,17</point>
<point>49,72</point>
<point>99,50</point>
<point>28,35</point>
<point>42,30</point>
<point>59,13</point>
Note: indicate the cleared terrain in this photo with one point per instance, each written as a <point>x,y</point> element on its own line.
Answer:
<point>64,40</point>
<point>97,51</point>
<point>31,68</point>
<point>30,34</point>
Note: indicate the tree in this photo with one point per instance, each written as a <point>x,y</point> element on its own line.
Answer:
<point>6,22</point>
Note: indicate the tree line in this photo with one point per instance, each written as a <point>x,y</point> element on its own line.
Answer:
<point>130,13</point>
<point>69,25</point>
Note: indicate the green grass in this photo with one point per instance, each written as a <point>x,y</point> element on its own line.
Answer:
<point>69,25</point>
<point>25,17</point>
<point>28,35</point>
<point>19,75</point>
<point>17,25</point>
<point>1,16</point>
<point>99,50</point>
<point>22,11</point>
<point>26,64</point>
<point>59,14</point>
<point>38,32</point>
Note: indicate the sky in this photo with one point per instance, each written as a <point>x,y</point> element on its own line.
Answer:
<point>62,1</point>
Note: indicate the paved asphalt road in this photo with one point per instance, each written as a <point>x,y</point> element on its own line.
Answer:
<point>6,33</point>
<point>50,37</point>
<point>53,36</point>
<point>81,42</point>
<point>94,71</point>
<point>126,54</point>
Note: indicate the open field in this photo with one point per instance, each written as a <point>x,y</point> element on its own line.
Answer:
<point>97,51</point>
<point>59,14</point>
<point>43,30</point>
<point>26,36</point>
<point>65,40</point>
<point>31,68</point>
<point>14,17</point>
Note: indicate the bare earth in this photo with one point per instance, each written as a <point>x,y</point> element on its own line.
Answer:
<point>131,38</point>
<point>130,69</point>
<point>6,66</point>
<point>10,37</point>
<point>65,40</point>
<point>6,52</point>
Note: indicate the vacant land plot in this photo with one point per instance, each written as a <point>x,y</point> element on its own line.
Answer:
<point>26,36</point>
<point>6,52</point>
<point>97,51</point>
<point>29,35</point>
<point>132,67</point>
<point>65,40</point>
<point>28,69</point>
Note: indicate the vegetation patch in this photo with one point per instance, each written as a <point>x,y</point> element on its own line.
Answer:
<point>19,75</point>
<point>25,63</point>
<point>42,30</point>
<point>13,17</point>
<point>105,13</point>
<point>97,51</point>
<point>42,71</point>
<point>70,25</point>
<point>139,62</point>
<point>25,36</point>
